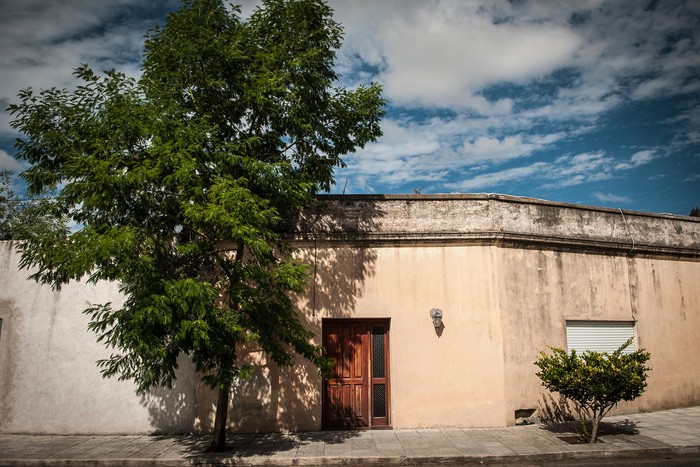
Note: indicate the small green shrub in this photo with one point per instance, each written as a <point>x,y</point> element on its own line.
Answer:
<point>594,381</point>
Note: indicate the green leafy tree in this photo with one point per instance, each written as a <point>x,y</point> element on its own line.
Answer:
<point>180,183</point>
<point>21,219</point>
<point>695,212</point>
<point>8,205</point>
<point>595,381</point>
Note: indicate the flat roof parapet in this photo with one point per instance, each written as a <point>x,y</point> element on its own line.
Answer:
<point>493,218</point>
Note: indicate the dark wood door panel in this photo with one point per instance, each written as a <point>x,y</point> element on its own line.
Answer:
<point>346,403</point>
<point>347,406</point>
<point>350,394</point>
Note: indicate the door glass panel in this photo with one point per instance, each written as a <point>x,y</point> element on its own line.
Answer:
<point>378,352</point>
<point>379,398</point>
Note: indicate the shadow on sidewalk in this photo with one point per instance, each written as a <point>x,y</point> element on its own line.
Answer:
<point>570,431</point>
<point>261,444</point>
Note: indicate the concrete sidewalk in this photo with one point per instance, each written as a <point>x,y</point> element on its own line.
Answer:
<point>656,434</point>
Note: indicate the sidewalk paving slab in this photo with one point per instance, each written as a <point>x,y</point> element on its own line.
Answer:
<point>644,435</point>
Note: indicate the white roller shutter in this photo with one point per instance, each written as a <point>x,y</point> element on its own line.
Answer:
<point>599,336</point>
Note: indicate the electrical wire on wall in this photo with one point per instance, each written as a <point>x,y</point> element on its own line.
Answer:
<point>313,293</point>
<point>627,229</point>
<point>314,232</point>
<point>631,266</point>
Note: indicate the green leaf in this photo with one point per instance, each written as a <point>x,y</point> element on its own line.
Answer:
<point>178,185</point>
<point>596,382</point>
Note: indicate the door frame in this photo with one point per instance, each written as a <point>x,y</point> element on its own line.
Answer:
<point>374,423</point>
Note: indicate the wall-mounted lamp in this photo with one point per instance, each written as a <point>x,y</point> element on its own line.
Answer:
<point>436,315</point>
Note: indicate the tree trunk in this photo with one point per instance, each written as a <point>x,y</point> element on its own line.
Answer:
<point>595,424</point>
<point>218,440</point>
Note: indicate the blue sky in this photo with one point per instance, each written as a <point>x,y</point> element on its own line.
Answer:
<point>589,102</point>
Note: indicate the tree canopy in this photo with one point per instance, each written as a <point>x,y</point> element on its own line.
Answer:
<point>595,381</point>
<point>23,218</point>
<point>179,182</point>
<point>8,206</point>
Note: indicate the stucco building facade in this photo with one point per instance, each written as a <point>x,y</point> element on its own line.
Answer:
<point>510,276</point>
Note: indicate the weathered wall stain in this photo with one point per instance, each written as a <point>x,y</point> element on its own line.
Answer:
<point>9,349</point>
<point>507,272</point>
<point>633,287</point>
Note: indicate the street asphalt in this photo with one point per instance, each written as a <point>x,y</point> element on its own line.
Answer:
<point>659,435</point>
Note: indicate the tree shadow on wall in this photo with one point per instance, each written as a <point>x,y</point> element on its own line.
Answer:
<point>334,239</point>
<point>332,236</point>
<point>174,410</point>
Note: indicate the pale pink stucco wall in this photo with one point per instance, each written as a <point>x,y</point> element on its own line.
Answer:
<point>507,273</point>
<point>49,382</point>
<point>540,290</point>
<point>502,306</point>
<point>448,379</point>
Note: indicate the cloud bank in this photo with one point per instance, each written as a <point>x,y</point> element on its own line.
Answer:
<point>530,97</point>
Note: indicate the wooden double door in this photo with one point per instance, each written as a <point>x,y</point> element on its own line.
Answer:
<point>356,395</point>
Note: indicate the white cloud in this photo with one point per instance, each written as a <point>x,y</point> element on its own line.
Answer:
<point>493,179</point>
<point>431,150</point>
<point>493,149</point>
<point>435,150</point>
<point>8,162</point>
<point>642,157</point>
<point>592,167</point>
<point>447,54</point>
<point>43,42</point>
<point>611,198</point>
<point>586,163</point>
<point>637,159</point>
<point>444,53</point>
<point>689,120</point>
<point>565,171</point>
<point>402,141</point>
<point>485,148</point>
<point>440,54</point>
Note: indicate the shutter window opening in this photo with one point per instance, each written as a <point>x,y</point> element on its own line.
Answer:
<point>599,336</point>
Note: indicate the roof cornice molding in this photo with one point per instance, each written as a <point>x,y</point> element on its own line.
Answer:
<point>501,220</point>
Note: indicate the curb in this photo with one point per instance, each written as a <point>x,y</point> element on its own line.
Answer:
<point>214,460</point>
